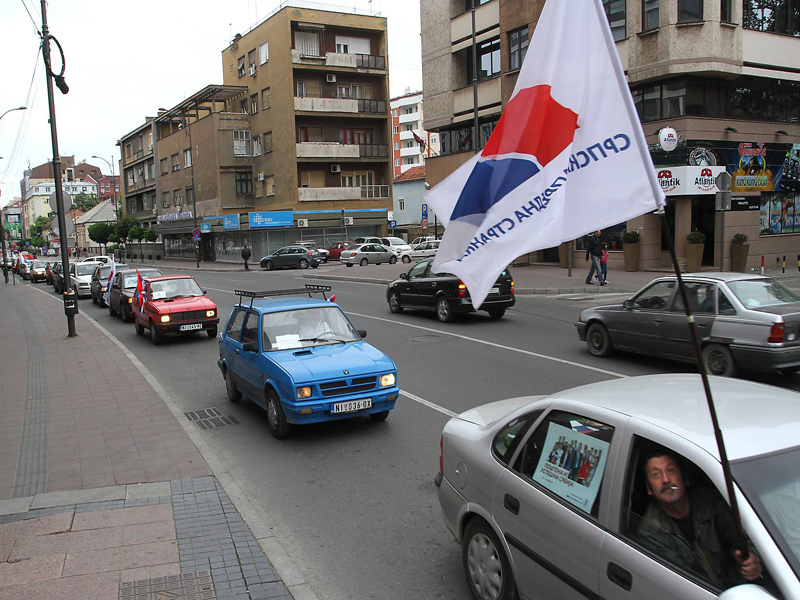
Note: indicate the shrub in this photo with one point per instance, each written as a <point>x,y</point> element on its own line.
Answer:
<point>630,236</point>
<point>696,238</point>
<point>740,238</point>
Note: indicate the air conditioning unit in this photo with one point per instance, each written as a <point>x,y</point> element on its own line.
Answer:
<point>261,177</point>
<point>336,168</point>
<point>348,220</point>
<point>331,78</point>
<point>252,71</point>
<point>302,222</point>
<point>155,210</point>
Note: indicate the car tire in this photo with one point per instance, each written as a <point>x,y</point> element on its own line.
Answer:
<point>111,311</point>
<point>719,361</point>
<point>348,264</point>
<point>126,317</point>
<point>394,303</point>
<point>381,416</point>
<point>444,311</point>
<point>234,395</point>
<point>406,259</point>
<point>155,336</point>
<point>268,266</point>
<point>392,260</point>
<point>303,263</point>
<point>314,266</point>
<point>486,565</point>
<point>496,313</point>
<point>364,262</point>
<point>212,332</point>
<point>598,341</point>
<point>276,419</point>
<point>139,328</point>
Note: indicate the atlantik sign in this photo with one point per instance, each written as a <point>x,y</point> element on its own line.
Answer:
<point>688,180</point>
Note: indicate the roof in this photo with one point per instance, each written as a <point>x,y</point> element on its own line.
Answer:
<point>411,174</point>
<point>218,93</point>
<point>717,276</point>
<point>755,418</point>
<point>103,212</point>
<point>268,305</point>
<point>162,277</point>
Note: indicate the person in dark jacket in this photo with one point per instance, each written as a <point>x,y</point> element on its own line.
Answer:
<point>594,251</point>
<point>246,254</point>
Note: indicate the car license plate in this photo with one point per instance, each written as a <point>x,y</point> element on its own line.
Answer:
<point>352,406</point>
<point>494,290</point>
<point>191,327</point>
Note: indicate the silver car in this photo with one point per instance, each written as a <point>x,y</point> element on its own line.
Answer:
<point>550,497</point>
<point>365,254</point>
<point>744,321</point>
<point>420,251</point>
<point>81,277</point>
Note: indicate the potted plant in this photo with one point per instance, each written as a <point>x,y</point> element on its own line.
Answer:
<point>630,249</point>
<point>739,250</point>
<point>694,251</point>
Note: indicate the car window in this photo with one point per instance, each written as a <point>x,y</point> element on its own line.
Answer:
<point>725,306</point>
<point>758,293</point>
<point>235,326</point>
<point>656,296</point>
<point>566,454</point>
<point>250,329</point>
<point>509,437</point>
<point>306,327</point>
<point>418,270</point>
<point>700,296</point>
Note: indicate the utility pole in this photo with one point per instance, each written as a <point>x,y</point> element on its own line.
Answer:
<point>475,134</point>
<point>70,300</point>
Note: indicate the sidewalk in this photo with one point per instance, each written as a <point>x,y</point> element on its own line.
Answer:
<point>103,493</point>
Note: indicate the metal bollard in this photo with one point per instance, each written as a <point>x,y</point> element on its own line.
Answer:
<point>783,266</point>
<point>762,264</point>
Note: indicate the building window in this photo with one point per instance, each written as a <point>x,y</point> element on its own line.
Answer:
<point>263,53</point>
<point>394,112</point>
<point>165,199</point>
<point>187,159</point>
<point>301,89</point>
<point>164,170</point>
<point>241,70</point>
<point>396,162</point>
<point>433,139</point>
<point>130,178</point>
<point>253,104</point>
<point>128,152</point>
<point>267,142</point>
<point>307,42</point>
<point>251,62</point>
<point>257,145</point>
<point>401,203</point>
<point>615,11</point>
<point>144,202</point>
<point>649,14</point>
<point>397,146</point>
<point>775,16</point>
<point>518,47</point>
<point>269,185</point>
<point>690,10</point>
<point>190,196</point>
<point>395,129</point>
<point>726,11</point>
<point>488,60</point>
<point>243,106</point>
<point>177,197</point>
<point>265,98</point>
<point>176,166</point>
<point>241,143</point>
<point>244,184</point>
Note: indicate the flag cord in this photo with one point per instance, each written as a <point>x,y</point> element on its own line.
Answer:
<point>723,455</point>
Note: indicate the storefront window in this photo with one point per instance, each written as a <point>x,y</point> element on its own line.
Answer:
<point>780,213</point>
<point>610,236</point>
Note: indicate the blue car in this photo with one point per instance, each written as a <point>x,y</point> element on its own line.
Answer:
<point>300,358</point>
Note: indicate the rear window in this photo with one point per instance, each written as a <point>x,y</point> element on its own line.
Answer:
<point>759,293</point>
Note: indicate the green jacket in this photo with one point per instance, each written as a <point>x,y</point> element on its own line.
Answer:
<point>711,553</point>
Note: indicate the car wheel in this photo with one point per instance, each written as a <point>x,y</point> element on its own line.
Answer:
<point>314,266</point>
<point>381,416</point>
<point>303,263</point>
<point>392,260</point>
<point>268,266</point>
<point>278,426</point>
<point>364,262</point>
<point>406,259</point>
<point>485,563</point>
<point>443,310</point>
<point>111,311</point>
<point>139,328</point>
<point>234,395</point>
<point>719,361</point>
<point>155,336</point>
<point>394,303</point>
<point>497,313</point>
<point>126,316</point>
<point>212,332</point>
<point>598,340</point>
<point>349,264</point>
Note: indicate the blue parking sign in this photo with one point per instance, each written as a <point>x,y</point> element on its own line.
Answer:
<point>392,224</point>
<point>424,211</point>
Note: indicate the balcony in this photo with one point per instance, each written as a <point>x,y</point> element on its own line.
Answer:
<point>336,194</point>
<point>487,16</point>
<point>413,151</point>
<point>409,118</point>
<point>409,135</point>
<point>366,62</point>
<point>488,94</point>
<point>335,150</point>
<point>339,105</point>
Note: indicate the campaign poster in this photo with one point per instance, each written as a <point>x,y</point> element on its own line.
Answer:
<point>789,176</point>
<point>764,217</point>
<point>775,209</point>
<point>572,465</point>
<point>788,214</point>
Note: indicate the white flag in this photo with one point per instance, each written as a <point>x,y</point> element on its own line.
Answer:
<point>568,155</point>
<point>107,293</point>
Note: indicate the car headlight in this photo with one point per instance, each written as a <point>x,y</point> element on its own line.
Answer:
<point>303,392</point>
<point>130,301</point>
<point>165,318</point>
<point>387,380</point>
<point>210,313</point>
<point>103,288</point>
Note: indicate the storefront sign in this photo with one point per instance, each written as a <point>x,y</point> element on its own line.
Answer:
<point>205,227</point>
<point>230,222</point>
<point>702,157</point>
<point>750,170</point>
<point>688,180</point>
<point>745,203</point>
<point>668,139</point>
<point>265,220</point>
<point>180,216</point>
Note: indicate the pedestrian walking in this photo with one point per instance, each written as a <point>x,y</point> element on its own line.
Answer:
<point>594,251</point>
<point>246,254</point>
<point>604,263</point>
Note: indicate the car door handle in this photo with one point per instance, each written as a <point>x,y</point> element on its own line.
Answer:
<point>237,352</point>
<point>619,576</point>
<point>511,504</point>
<point>433,284</point>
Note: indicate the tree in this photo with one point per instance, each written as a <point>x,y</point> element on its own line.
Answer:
<point>37,241</point>
<point>84,202</point>
<point>100,233</point>
<point>137,233</point>
<point>35,230</point>
<point>150,235</point>
<point>123,228</point>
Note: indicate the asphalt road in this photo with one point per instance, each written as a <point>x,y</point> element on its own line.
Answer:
<point>353,502</point>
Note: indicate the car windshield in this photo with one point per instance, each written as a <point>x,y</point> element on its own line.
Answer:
<point>39,264</point>
<point>104,273</point>
<point>758,293</point>
<point>772,485</point>
<point>396,241</point>
<point>87,269</point>
<point>129,279</point>
<point>175,288</point>
<point>301,328</point>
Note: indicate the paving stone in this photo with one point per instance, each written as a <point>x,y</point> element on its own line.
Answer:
<point>117,559</point>
<point>122,516</point>
<point>87,587</point>
<point>78,496</point>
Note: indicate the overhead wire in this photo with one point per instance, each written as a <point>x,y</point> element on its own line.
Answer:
<point>36,27</point>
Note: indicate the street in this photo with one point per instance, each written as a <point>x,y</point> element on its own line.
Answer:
<point>353,502</point>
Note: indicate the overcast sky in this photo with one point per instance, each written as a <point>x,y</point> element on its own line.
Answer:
<point>126,59</point>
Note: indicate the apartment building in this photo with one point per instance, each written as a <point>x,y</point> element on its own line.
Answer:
<point>725,74</point>
<point>407,152</point>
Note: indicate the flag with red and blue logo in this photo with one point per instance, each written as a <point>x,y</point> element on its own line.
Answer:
<point>140,289</point>
<point>568,155</point>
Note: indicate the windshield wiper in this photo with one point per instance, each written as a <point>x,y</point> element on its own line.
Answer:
<point>319,338</point>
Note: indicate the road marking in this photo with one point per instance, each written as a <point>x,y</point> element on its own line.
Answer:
<point>429,404</point>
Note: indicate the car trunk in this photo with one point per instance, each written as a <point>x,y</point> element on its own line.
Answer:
<point>790,314</point>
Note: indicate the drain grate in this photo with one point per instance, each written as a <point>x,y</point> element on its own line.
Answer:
<point>210,418</point>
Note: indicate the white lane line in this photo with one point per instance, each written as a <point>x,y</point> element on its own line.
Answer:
<point>424,402</point>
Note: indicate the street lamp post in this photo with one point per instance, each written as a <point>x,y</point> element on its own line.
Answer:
<point>5,268</point>
<point>113,183</point>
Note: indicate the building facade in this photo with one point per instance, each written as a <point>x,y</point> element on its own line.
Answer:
<point>407,152</point>
<point>724,74</point>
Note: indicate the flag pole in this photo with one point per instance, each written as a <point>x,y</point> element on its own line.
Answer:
<point>723,455</point>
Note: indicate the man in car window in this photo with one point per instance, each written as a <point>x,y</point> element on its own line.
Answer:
<point>313,324</point>
<point>692,527</point>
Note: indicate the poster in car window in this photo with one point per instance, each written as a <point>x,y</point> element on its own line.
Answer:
<point>572,464</point>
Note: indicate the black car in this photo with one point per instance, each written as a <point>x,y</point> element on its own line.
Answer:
<point>100,282</point>
<point>291,257</point>
<point>124,287</point>
<point>445,293</point>
<point>58,279</point>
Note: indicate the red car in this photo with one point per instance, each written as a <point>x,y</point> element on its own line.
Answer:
<point>174,304</point>
<point>336,249</point>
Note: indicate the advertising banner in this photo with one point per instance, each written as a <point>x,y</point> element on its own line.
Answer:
<point>13,227</point>
<point>779,213</point>
<point>788,178</point>
<point>688,180</point>
<point>265,220</point>
<point>230,222</point>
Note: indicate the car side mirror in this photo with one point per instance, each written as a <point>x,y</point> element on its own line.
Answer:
<point>403,275</point>
<point>250,347</point>
<point>746,592</point>
<point>628,304</point>
<point>362,333</point>
<point>205,292</point>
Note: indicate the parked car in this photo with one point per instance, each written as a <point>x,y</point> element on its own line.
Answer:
<point>38,271</point>
<point>58,278</point>
<point>123,289</point>
<point>530,523</point>
<point>324,254</point>
<point>52,252</point>
<point>368,240</point>
<point>744,321</point>
<point>420,251</point>
<point>396,244</point>
<point>102,259</point>
<point>100,282</point>
<point>303,361</point>
<point>445,293</point>
<point>291,257</point>
<point>424,238</point>
<point>174,305</point>
<point>24,268</point>
<point>365,254</point>
<point>20,262</point>
<point>81,277</point>
<point>336,249</point>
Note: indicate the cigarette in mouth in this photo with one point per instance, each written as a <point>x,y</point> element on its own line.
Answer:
<point>673,487</point>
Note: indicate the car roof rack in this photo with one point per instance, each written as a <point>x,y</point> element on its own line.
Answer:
<point>309,289</point>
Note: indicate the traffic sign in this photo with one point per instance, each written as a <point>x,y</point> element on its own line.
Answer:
<point>392,224</point>
<point>425,223</point>
<point>196,234</point>
<point>723,181</point>
<point>425,212</point>
<point>67,199</point>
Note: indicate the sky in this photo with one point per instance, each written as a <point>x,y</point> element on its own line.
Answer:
<point>124,60</point>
